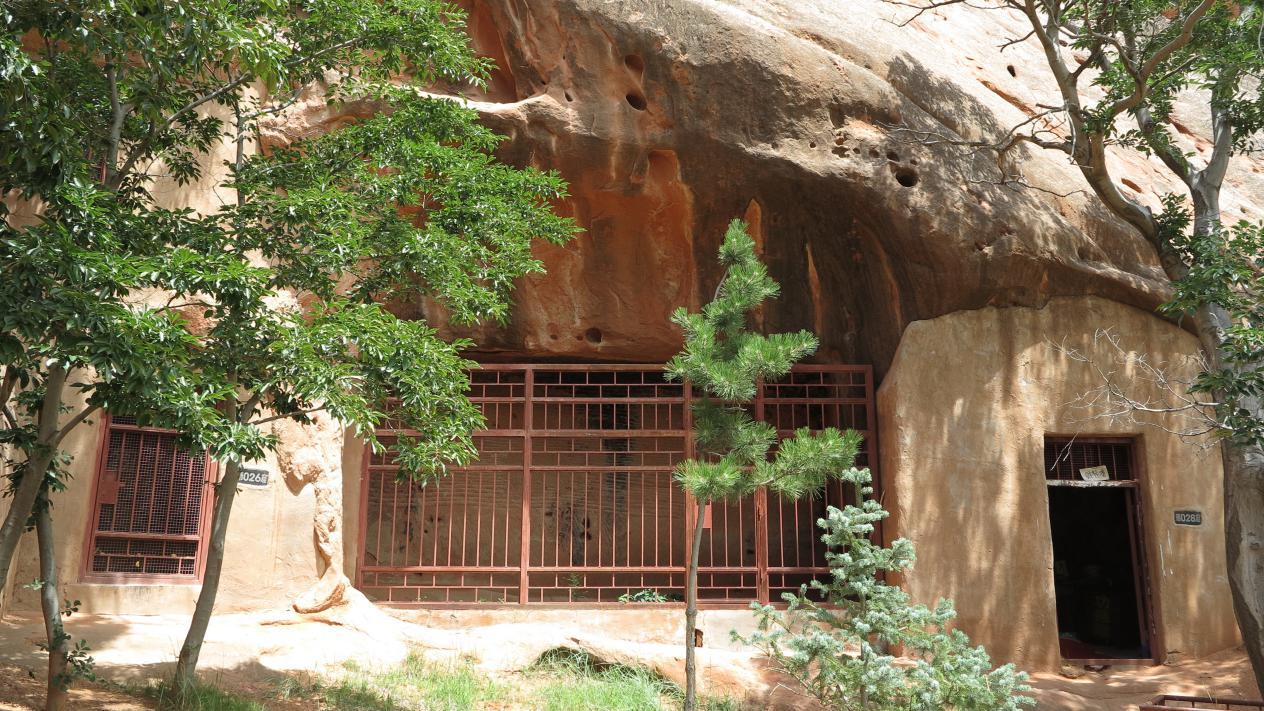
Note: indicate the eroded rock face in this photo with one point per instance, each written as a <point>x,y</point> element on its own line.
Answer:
<point>670,118</point>
<point>312,455</point>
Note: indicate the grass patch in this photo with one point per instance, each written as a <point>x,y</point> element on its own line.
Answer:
<point>415,684</point>
<point>561,680</point>
<point>574,680</point>
<point>196,697</point>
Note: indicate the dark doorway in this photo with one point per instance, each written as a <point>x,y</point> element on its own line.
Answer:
<point>1098,568</point>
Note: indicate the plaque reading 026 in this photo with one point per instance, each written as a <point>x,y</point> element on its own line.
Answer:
<point>252,477</point>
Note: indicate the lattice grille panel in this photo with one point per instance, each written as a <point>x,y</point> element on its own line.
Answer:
<point>150,505</point>
<point>573,500</point>
<point>1064,458</point>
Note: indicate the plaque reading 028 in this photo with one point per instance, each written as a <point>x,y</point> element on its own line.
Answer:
<point>1188,518</point>
<point>252,477</point>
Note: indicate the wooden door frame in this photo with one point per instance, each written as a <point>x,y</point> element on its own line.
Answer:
<point>1135,502</point>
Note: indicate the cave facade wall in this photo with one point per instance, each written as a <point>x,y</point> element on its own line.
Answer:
<point>963,413</point>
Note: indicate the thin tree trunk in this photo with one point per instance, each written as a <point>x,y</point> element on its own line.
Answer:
<point>225,492</point>
<point>32,477</point>
<point>58,681</point>
<point>691,611</point>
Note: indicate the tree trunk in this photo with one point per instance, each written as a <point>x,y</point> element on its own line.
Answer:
<point>1244,545</point>
<point>32,477</point>
<point>691,611</point>
<point>225,492</point>
<point>1243,505</point>
<point>58,680</point>
<point>1243,465</point>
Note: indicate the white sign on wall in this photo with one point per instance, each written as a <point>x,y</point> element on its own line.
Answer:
<point>1095,474</point>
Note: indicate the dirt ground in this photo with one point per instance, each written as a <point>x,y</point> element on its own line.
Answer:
<point>246,653</point>
<point>1226,674</point>
<point>23,688</point>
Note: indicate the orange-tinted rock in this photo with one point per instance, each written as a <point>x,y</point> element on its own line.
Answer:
<point>670,119</point>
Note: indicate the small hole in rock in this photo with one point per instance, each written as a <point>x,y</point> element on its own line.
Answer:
<point>634,63</point>
<point>636,101</point>
<point>811,144</point>
<point>568,96</point>
<point>593,335</point>
<point>1012,71</point>
<point>892,155</point>
<point>906,177</point>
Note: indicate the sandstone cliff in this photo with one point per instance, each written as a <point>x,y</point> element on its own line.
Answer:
<point>670,118</point>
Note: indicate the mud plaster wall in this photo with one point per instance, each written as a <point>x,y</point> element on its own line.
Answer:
<point>963,413</point>
<point>269,558</point>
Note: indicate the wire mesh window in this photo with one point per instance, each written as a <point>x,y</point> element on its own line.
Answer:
<point>1067,458</point>
<point>573,501</point>
<point>149,506</point>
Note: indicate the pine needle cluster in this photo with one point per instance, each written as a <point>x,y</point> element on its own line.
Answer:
<point>725,362</point>
<point>837,636</point>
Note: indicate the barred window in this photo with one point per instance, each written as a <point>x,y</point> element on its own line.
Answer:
<point>149,509</point>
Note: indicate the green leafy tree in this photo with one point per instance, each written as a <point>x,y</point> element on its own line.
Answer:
<point>836,636</point>
<point>725,363</point>
<point>270,307</point>
<point>1118,68</point>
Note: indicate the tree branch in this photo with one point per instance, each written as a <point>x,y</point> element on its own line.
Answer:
<point>1222,139</point>
<point>288,415</point>
<point>247,411</point>
<point>7,384</point>
<point>1172,158</point>
<point>118,112</point>
<point>143,146</point>
<point>74,422</point>
<point>1088,147</point>
<point>6,391</point>
<point>1172,408</point>
<point>1142,77</point>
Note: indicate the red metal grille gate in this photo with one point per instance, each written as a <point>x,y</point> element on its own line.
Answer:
<point>572,499</point>
<point>150,507</point>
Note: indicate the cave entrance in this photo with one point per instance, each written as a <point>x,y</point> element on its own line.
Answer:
<point>572,499</point>
<point>1100,582</point>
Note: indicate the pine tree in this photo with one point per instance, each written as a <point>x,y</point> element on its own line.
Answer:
<point>725,363</point>
<point>836,641</point>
